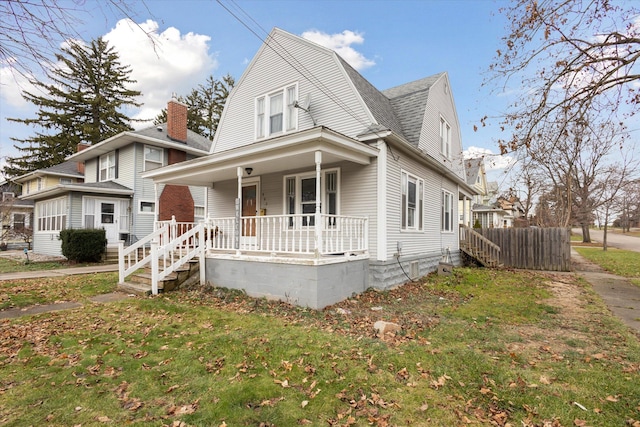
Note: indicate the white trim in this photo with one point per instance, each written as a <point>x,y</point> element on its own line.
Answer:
<point>418,217</point>
<point>452,214</point>
<point>323,190</point>
<point>262,129</point>
<point>109,176</point>
<point>160,162</point>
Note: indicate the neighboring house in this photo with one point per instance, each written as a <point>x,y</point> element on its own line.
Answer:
<point>477,178</point>
<point>16,217</point>
<point>103,186</point>
<point>320,185</point>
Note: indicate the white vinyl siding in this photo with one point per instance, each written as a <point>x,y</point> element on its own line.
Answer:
<point>269,71</point>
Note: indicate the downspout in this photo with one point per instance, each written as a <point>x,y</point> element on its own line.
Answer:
<point>381,242</point>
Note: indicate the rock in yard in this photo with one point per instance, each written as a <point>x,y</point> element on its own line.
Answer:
<point>383,328</point>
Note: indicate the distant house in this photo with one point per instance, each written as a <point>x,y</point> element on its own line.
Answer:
<point>16,217</point>
<point>320,185</point>
<point>101,186</point>
<point>476,177</point>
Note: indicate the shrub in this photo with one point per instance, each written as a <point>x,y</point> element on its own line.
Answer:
<point>86,245</point>
<point>477,224</point>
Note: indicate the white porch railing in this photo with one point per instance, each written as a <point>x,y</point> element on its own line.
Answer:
<point>168,247</point>
<point>290,234</point>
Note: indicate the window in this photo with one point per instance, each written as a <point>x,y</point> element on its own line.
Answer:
<point>447,211</point>
<point>198,213</point>
<point>445,138</point>
<point>147,207</point>
<point>276,112</point>
<point>153,157</point>
<point>412,202</point>
<point>8,196</point>
<point>52,214</point>
<point>66,181</point>
<point>19,221</point>
<point>40,184</point>
<point>108,166</point>
<point>300,196</point>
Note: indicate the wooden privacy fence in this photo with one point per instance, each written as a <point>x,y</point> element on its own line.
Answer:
<point>532,248</point>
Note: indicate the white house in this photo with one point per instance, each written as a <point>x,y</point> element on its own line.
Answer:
<point>320,185</point>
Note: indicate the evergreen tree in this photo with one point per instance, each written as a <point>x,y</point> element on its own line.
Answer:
<point>205,104</point>
<point>82,103</point>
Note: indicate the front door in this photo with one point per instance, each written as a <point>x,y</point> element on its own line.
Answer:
<point>249,208</point>
<point>108,218</point>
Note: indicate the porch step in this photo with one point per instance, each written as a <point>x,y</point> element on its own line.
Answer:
<point>140,283</point>
<point>111,255</point>
<point>135,288</point>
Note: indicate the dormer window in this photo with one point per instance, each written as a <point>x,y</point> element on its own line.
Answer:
<point>276,113</point>
<point>108,166</point>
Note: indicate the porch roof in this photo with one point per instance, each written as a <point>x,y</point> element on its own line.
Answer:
<point>283,153</point>
<point>103,188</point>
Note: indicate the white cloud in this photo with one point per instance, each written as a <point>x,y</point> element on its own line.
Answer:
<point>12,84</point>
<point>162,63</point>
<point>341,43</point>
<point>492,161</point>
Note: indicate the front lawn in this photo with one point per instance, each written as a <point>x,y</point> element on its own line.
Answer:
<point>617,261</point>
<point>47,290</point>
<point>480,347</point>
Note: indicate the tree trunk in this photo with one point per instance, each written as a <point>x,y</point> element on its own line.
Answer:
<point>586,236</point>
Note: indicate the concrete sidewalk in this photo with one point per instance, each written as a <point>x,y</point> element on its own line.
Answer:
<point>621,296</point>
<point>103,268</point>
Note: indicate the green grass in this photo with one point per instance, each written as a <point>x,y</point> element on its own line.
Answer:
<point>617,261</point>
<point>23,293</point>
<point>11,266</point>
<point>482,347</point>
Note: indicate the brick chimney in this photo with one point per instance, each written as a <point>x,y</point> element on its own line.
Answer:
<point>81,146</point>
<point>177,120</point>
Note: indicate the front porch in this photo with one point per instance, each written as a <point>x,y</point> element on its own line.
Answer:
<point>310,260</point>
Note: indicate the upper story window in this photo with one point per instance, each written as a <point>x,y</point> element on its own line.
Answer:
<point>8,196</point>
<point>412,202</point>
<point>153,157</point>
<point>445,138</point>
<point>108,166</point>
<point>40,184</point>
<point>66,181</point>
<point>275,112</point>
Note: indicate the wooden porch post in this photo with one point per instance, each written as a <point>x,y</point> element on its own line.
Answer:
<point>238,225</point>
<point>318,219</point>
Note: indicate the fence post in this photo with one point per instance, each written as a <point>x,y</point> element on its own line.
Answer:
<point>121,267</point>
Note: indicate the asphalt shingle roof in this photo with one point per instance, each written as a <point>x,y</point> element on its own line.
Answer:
<point>69,167</point>
<point>194,140</point>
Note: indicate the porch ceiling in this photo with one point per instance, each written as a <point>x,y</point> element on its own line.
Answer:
<point>296,151</point>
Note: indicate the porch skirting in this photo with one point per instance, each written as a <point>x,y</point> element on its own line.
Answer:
<point>385,275</point>
<point>300,283</point>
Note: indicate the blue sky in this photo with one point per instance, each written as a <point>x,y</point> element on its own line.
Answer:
<point>389,42</point>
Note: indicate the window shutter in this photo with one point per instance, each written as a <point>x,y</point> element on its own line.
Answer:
<point>117,159</point>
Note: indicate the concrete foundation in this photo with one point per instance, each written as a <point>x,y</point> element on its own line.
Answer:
<point>302,284</point>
